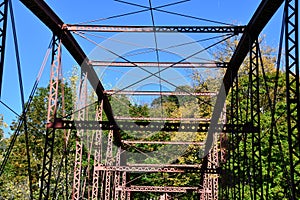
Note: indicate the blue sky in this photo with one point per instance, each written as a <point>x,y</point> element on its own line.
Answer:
<point>34,37</point>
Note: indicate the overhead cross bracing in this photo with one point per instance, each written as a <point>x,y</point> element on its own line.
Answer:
<point>161,64</point>
<point>164,29</point>
<point>233,158</point>
<point>164,93</point>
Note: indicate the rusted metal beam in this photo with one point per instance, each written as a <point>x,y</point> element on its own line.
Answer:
<point>162,119</point>
<point>169,29</point>
<point>160,64</point>
<point>151,126</point>
<point>138,169</point>
<point>165,189</point>
<point>130,126</point>
<point>155,169</point>
<point>167,93</point>
<point>165,165</point>
<point>55,24</point>
<point>161,142</point>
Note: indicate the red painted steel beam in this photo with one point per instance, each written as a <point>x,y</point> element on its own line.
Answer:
<point>161,142</point>
<point>160,64</point>
<point>163,119</point>
<point>165,29</point>
<point>163,165</point>
<point>55,24</point>
<point>165,189</point>
<point>155,169</point>
<point>141,169</point>
<point>126,92</point>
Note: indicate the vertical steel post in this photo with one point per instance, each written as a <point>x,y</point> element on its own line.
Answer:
<point>256,165</point>
<point>64,190</point>
<point>228,144</point>
<point>210,181</point>
<point>123,175</point>
<point>117,174</point>
<point>98,154</point>
<point>292,93</point>
<point>109,162</point>
<point>205,184</point>
<point>235,139</point>
<point>244,162</point>
<point>124,180</point>
<point>214,165</point>
<point>219,189</point>
<point>128,195</point>
<point>223,160</point>
<point>85,188</point>
<point>223,164</point>
<point>51,116</point>
<point>81,104</point>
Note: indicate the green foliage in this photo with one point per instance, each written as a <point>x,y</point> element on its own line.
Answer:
<point>274,175</point>
<point>14,180</point>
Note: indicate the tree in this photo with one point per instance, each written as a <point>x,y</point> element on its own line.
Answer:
<point>14,180</point>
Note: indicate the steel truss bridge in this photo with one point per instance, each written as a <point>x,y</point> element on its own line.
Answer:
<point>232,161</point>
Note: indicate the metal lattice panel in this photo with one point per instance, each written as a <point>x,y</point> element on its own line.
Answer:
<point>292,88</point>
<point>169,29</point>
<point>98,156</point>
<point>255,120</point>
<point>158,169</point>
<point>52,109</point>
<point>82,101</point>
<point>166,189</point>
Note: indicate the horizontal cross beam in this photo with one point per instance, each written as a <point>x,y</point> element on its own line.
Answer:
<point>195,166</point>
<point>149,169</point>
<point>160,64</point>
<point>161,142</point>
<point>139,169</point>
<point>150,126</point>
<point>162,119</point>
<point>158,93</point>
<point>164,29</point>
<point>164,189</point>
